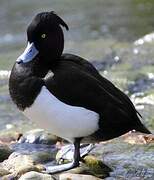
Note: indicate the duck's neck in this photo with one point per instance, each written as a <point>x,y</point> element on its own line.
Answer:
<point>25,83</point>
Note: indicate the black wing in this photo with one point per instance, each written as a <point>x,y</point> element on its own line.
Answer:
<point>106,84</point>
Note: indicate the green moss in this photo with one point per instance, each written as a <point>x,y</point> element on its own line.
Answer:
<point>96,166</point>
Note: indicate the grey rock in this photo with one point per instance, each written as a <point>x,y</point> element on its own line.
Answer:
<point>38,136</point>
<point>32,175</point>
<point>20,163</point>
<point>70,176</point>
<point>3,172</point>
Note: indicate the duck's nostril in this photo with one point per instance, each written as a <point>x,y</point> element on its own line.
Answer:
<point>19,61</point>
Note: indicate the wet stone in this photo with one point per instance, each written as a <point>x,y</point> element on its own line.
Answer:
<point>5,151</point>
<point>17,161</point>
<point>94,170</point>
<point>39,153</point>
<point>34,161</point>
<point>10,177</point>
<point>38,136</point>
<point>3,172</point>
<point>21,163</point>
<point>43,157</point>
<point>35,176</point>
<point>32,148</point>
<point>127,160</point>
<point>70,176</point>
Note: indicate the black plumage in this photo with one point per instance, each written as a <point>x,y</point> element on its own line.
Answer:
<point>75,81</point>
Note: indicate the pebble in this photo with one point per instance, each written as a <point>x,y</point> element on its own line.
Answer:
<point>70,176</point>
<point>19,163</point>
<point>35,176</point>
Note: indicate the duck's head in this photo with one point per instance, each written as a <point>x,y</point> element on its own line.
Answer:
<point>45,38</point>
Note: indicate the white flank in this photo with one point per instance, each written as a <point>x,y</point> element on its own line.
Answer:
<point>61,119</point>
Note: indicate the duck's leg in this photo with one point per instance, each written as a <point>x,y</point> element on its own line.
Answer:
<point>65,167</point>
<point>84,150</point>
<point>76,152</point>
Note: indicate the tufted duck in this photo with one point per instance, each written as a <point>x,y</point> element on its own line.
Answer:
<point>76,102</point>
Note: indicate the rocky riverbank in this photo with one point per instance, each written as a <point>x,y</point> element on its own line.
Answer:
<point>128,157</point>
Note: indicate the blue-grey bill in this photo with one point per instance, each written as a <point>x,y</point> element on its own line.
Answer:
<point>28,55</point>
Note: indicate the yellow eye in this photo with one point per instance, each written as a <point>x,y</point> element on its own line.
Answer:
<point>43,36</point>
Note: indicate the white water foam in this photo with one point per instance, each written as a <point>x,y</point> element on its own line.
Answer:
<point>4,74</point>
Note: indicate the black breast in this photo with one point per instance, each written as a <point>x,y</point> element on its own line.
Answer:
<point>24,86</point>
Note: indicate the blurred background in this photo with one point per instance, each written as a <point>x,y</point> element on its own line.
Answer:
<point>115,35</point>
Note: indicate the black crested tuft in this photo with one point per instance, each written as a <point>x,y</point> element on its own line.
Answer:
<point>57,20</point>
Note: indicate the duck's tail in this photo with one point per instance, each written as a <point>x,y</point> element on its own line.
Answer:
<point>142,128</point>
